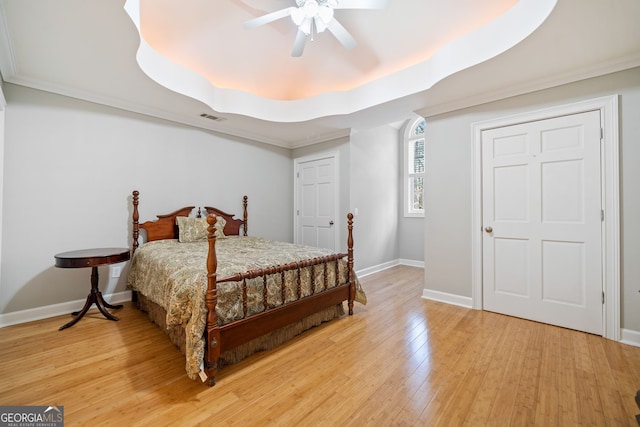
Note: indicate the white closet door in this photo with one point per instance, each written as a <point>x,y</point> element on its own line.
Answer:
<point>542,221</point>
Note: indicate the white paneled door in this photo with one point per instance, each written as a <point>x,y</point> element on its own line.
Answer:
<point>316,204</point>
<point>542,220</point>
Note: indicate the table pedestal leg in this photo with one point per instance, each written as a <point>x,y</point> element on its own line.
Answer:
<point>95,297</point>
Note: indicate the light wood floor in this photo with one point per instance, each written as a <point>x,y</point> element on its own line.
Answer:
<point>400,360</point>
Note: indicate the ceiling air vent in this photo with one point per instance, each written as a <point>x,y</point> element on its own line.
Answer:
<point>214,118</point>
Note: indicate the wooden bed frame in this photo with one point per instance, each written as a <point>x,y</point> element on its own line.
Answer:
<point>220,338</point>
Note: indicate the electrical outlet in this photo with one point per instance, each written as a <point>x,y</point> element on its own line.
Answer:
<point>115,271</point>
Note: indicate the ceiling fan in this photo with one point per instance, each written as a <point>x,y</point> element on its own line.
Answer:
<point>316,16</point>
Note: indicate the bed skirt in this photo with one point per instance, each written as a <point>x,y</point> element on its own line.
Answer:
<point>158,315</point>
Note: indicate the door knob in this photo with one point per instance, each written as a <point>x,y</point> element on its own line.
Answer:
<point>488,229</point>
<point>331,222</point>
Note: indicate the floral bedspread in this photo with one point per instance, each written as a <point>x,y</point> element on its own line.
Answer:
<point>174,275</point>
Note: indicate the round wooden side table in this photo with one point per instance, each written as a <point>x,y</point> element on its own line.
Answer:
<point>92,258</point>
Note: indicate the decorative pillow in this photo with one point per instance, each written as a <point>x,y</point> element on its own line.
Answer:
<point>191,229</point>
<point>195,229</point>
<point>220,223</point>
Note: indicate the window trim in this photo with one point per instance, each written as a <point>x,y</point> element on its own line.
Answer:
<point>408,138</point>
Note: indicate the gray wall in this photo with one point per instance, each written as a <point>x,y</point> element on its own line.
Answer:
<point>410,239</point>
<point>70,167</point>
<point>374,192</point>
<point>448,183</point>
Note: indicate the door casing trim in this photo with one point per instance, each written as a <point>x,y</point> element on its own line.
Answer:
<point>609,166</point>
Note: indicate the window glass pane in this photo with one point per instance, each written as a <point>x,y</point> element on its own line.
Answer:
<point>414,170</point>
<point>417,156</point>
<point>418,193</point>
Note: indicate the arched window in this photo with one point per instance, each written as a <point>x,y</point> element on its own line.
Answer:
<point>414,168</point>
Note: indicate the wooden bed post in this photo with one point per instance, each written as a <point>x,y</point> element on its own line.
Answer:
<point>245,216</point>
<point>136,217</point>
<point>212,352</point>
<point>352,283</point>
<point>136,233</point>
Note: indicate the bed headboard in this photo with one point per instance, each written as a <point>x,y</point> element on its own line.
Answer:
<point>165,226</point>
<point>232,227</point>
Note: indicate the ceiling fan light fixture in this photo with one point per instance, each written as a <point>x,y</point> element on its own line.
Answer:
<point>305,26</point>
<point>319,24</point>
<point>314,17</point>
<point>325,15</point>
<point>311,13</point>
<point>298,16</point>
<point>311,8</point>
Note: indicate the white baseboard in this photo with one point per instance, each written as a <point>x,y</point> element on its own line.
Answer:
<point>445,297</point>
<point>376,268</point>
<point>380,267</point>
<point>411,263</point>
<point>45,312</point>
<point>631,337</point>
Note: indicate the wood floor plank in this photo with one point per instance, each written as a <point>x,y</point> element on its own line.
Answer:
<point>399,361</point>
<point>503,375</point>
<point>525,399</point>
<point>612,403</point>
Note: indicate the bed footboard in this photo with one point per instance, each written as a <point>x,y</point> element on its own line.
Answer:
<point>222,338</point>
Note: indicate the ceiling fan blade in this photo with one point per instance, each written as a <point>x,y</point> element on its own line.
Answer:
<point>269,17</point>
<point>342,34</point>
<point>298,45</point>
<point>362,4</point>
